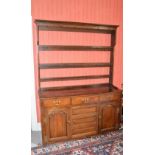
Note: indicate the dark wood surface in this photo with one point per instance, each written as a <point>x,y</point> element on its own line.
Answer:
<point>74,78</point>
<point>74,26</point>
<point>87,89</point>
<point>73,65</point>
<point>113,42</point>
<point>73,48</point>
<point>75,87</point>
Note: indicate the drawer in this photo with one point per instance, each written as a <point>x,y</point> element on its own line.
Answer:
<point>110,96</point>
<point>84,119</point>
<point>84,99</point>
<point>56,102</point>
<point>85,109</point>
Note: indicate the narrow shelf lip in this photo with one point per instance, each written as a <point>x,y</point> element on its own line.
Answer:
<point>74,48</point>
<point>67,78</point>
<point>98,25</point>
<point>72,65</point>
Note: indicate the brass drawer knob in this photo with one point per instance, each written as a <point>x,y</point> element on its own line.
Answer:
<point>85,100</point>
<point>57,102</point>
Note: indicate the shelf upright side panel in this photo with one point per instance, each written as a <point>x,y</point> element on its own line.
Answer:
<point>113,42</point>
<point>38,58</point>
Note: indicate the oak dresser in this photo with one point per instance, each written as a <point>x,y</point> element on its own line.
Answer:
<point>70,112</point>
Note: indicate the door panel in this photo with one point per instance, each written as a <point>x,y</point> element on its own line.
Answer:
<point>58,127</point>
<point>107,117</point>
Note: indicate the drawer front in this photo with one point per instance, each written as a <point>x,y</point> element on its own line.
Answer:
<point>110,97</point>
<point>53,102</point>
<point>84,99</point>
<point>84,120</point>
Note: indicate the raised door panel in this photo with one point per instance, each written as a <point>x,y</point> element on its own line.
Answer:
<point>58,127</point>
<point>107,117</point>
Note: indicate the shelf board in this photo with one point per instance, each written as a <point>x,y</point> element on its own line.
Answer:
<point>72,92</point>
<point>74,87</point>
<point>45,25</point>
<point>73,65</point>
<point>74,78</point>
<point>74,48</point>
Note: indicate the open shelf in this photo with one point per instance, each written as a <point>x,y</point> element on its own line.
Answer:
<point>73,65</point>
<point>74,78</point>
<point>74,48</point>
<point>44,25</point>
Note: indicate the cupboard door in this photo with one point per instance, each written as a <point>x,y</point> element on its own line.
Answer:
<point>58,124</point>
<point>108,117</point>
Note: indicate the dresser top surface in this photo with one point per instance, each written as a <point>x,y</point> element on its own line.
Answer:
<point>74,92</point>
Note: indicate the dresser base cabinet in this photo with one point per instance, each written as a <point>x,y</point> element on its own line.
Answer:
<point>79,116</point>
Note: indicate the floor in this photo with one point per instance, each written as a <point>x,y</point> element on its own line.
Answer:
<point>36,138</point>
<point>104,144</point>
